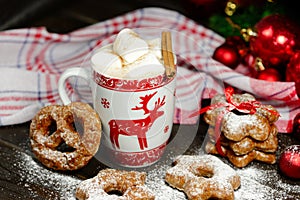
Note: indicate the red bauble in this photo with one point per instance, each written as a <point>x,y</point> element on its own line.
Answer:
<point>293,71</point>
<point>269,74</point>
<point>239,44</point>
<point>289,162</point>
<point>296,126</point>
<point>275,40</point>
<point>228,55</point>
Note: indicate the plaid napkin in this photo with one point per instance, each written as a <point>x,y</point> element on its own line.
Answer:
<point>31,61</point>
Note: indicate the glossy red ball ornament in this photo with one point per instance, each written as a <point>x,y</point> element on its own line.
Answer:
<point>235,41</point>
<point>275,41</point>
<point>293,71</point>
<point>239,44</point>
<point>296,127</point>
<point>269,74</point>
<point>228,55</point>
<point>289,162</point>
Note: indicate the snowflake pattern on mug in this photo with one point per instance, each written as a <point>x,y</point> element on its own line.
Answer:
<point>166,128</point>
<point>105,103</point>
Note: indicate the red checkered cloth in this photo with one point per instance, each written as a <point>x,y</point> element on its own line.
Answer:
<point>31,61</point>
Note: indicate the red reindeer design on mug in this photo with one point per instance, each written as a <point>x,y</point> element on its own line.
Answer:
<point>137,127</point>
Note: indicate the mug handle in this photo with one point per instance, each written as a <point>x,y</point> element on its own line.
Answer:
<point>76,71</point>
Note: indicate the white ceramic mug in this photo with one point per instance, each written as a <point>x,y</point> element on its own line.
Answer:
<point>136,114</point>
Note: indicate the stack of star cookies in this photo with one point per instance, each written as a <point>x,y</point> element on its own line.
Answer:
<point>242,130</point>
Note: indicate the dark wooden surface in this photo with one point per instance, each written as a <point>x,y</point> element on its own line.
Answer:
<point>21,175</point>
<point>62,16</point>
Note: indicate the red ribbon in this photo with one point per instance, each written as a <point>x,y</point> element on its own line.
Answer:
<point>247,107</point>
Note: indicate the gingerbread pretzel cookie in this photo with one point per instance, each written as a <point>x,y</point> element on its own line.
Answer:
<point>65,137</point>
<point>203,177</point>
<point>131,185</point>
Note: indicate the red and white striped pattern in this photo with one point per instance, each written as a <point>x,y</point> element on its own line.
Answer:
<point>31,61</point>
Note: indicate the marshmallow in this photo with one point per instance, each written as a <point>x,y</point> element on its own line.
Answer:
<point>130,46</point>
<point>106,59</point>
<point>147,65</point>
<point>155,47</point>
<point>129,56</point>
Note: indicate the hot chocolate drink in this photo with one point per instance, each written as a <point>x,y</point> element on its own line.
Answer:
<point>133,83</point>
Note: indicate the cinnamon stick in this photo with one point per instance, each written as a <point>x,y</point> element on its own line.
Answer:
<point>167,53</point>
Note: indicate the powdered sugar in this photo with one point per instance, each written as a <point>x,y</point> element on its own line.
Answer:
<point>258,181</point>
<point>55,184</point>
<point>254,182</point>
<point>255,185</point>
<point>156,182</point>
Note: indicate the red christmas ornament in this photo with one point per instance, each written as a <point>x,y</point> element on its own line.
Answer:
<point>289,162</point>
<point>228,54</point>
<point>296,126</point>
<point>293,71</point>
<point>275,40</point>
<point>269,74</point>
<point>249,61</point>
<point>239,44</point>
